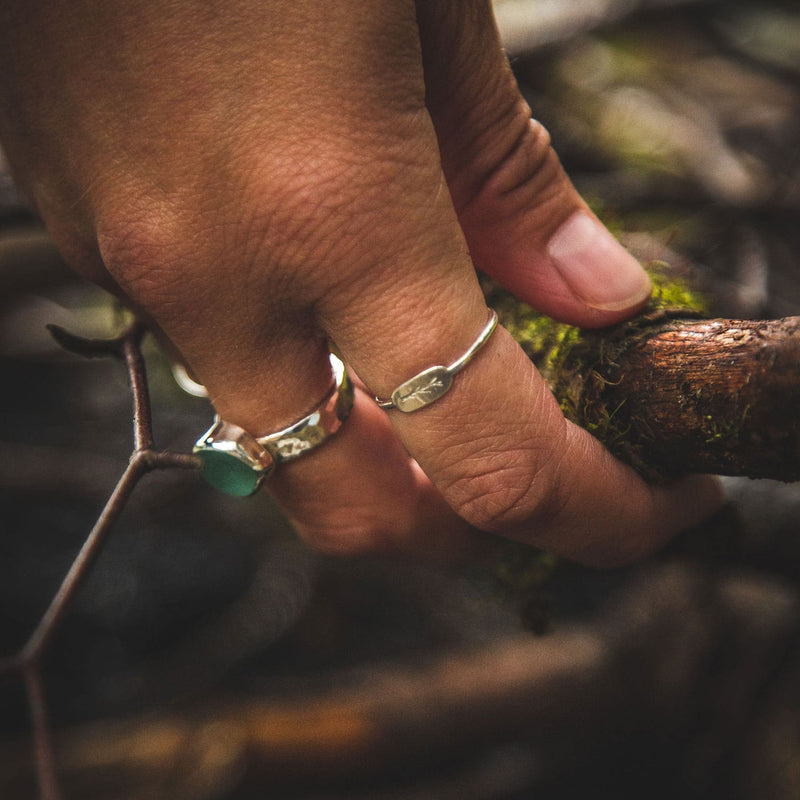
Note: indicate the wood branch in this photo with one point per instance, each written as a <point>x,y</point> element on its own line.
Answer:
<point>673,394</point>
<point>714,396</point>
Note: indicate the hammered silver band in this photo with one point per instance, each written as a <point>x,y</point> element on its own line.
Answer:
<point>313,429</point>
<point>237,462</point>
<point>428,386</point>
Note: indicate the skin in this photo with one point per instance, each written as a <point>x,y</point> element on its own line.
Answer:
<point>261,176</point>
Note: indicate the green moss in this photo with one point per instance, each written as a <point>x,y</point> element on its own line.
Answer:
<point>523,568</point>
<point>546,342</point>
<point>579,365</point>
<point>672,293</point>
<point>725,431</point>
<point>550,344</point>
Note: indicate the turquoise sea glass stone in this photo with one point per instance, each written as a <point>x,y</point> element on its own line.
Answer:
<point>228,473</point>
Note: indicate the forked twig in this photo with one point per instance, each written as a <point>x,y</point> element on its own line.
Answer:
<point>28,661</point>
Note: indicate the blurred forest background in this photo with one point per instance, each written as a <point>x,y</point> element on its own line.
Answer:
<point>212,656</point>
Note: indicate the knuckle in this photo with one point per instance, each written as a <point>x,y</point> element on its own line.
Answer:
<point>292,220</point>
<point>321,200</point>
<point>146,249</point>
<point>514,491</point>
<point>525,173</point>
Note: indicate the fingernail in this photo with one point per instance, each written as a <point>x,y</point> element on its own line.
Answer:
<point>596,267</point>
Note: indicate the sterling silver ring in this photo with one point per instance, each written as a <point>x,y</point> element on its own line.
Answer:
<point>236,462</point>
<point>429,385</point>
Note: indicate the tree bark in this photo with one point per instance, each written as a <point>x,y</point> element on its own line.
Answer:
<point>673,394</point>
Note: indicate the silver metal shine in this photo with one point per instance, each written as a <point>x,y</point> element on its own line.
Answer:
<point>229,439</point>
<point>262,453</point>
<point>429,385</point>
<point>313,429</point>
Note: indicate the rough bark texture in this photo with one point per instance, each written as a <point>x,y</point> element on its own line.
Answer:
<point>671,394</point>
<point>717,396</point>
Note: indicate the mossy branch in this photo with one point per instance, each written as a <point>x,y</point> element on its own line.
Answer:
<point>670,392</point>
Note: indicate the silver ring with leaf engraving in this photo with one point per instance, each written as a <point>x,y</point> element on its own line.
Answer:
<point>428,386</point>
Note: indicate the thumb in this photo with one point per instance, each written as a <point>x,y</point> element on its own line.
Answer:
<point>525,224</point>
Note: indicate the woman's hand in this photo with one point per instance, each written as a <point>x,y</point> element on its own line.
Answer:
<point>258,177</point>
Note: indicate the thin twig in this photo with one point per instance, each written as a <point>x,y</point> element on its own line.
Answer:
<point>166,459</point>
<point>142,417</point>
<point>46,771</point>
<point>88,348</point>
<point>83,562</point>
<point>143,459</point>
